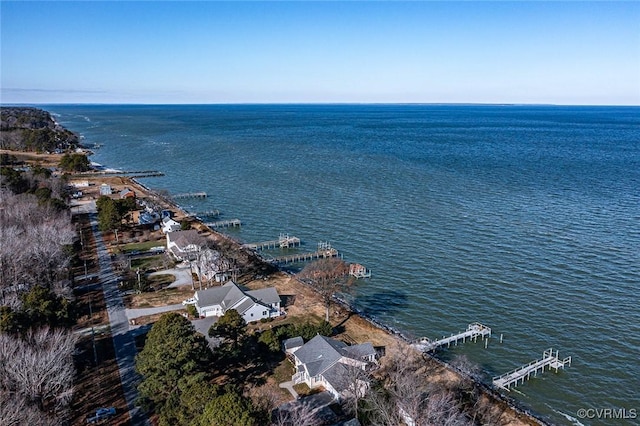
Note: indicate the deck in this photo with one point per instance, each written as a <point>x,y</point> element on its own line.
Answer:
<point>521,374</point>
<point>474,330</point>
<point>284,241</point>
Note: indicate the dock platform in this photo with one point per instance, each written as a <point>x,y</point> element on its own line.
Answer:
<point>324,251</point>
<point>474,330</point>
<point>284,241</point>
<point>521,374</point>
<point>359,271</point>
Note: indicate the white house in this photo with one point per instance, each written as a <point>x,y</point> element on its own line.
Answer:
<point>105,189</point>
<point>170,225</point>
<point>181,244</point>
<point>327,362</point>
<point>251,305</point>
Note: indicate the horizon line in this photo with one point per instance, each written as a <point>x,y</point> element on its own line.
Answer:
<point>4,105</point>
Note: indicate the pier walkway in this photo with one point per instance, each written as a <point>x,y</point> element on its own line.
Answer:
<point>120,173</point>
<point>284,241</point>
<point>324,251</point>
<point>224,223</point>
<point>208,213</point>
<point>519,375</point>
<point>473,331</point>
<point>190,195</point>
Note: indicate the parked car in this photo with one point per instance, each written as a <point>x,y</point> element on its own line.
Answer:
<point>101,414</point>
<point>189,301</point>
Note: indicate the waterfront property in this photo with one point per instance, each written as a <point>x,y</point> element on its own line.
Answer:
<point>332,364</point>
<point>252,305</point>
<point>181,244</point>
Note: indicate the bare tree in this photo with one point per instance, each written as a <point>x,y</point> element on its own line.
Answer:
<point>297,414</point>
<point>32,245</point>
<point>15,410</point>
<point>328,276</point>
<point>39,367</point>
<point>356,383</point>
<point>408,393</point>
<point>381,408</point>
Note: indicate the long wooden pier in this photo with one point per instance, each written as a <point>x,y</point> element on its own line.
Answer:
<point>224,223</point>
<point>208,213</point>
<point>114,173</point>
<point>474,330</point>
<point>519,375</point>
<point>324,251</point>
<point>201,194</point>
<point>284,241</point>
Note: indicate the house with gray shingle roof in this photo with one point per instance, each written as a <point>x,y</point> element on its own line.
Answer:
<point>183,244</point>
<point>251,305</point>
<point>326,362</point>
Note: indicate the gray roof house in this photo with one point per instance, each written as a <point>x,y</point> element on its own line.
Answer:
<point>251,305</point>
<point>293,344</point>
<point>326,362</point>
<point>181,244</point>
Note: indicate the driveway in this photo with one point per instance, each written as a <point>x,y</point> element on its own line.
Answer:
<point>143,312</point>
<point>182,276</point>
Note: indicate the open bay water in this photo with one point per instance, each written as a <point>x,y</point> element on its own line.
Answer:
<point>524,218</point>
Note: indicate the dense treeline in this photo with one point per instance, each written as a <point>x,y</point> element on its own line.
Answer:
<point>35,180</point>
<point>75,163</point>
<point>36,345</point>
<point>112,212</point>
<point>32,129</point>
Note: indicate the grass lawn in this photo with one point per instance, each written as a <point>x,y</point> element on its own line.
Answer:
<point>160,281</point>
<point>168,296</point>
<point>146,263</point>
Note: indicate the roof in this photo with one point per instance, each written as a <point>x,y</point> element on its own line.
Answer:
<point>294,342</point>
<point>245,305</point>
<point>225,296</point>
<point>359,351</point>
<point>126,192</point>
<point>265,295</point>
<point>167,219</point>
<point>183,238</point>
<point>337,375</point>
<point>230,295</point>
<point>319,353</point>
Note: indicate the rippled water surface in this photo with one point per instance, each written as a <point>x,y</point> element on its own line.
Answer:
<point>524,218</point>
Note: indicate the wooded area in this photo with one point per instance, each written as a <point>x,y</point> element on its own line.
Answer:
<point>32,129</point>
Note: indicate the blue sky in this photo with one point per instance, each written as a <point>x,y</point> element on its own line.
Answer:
<point>314,52</point>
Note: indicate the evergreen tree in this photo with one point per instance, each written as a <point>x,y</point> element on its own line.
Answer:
<point>229,409</point>
<point>231,326</point>
<point>173,350</point>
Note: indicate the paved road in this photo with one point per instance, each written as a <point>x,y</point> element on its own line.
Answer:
<point>123,338</point>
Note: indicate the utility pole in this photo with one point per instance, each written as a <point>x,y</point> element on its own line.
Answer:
<point>93,336</point>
